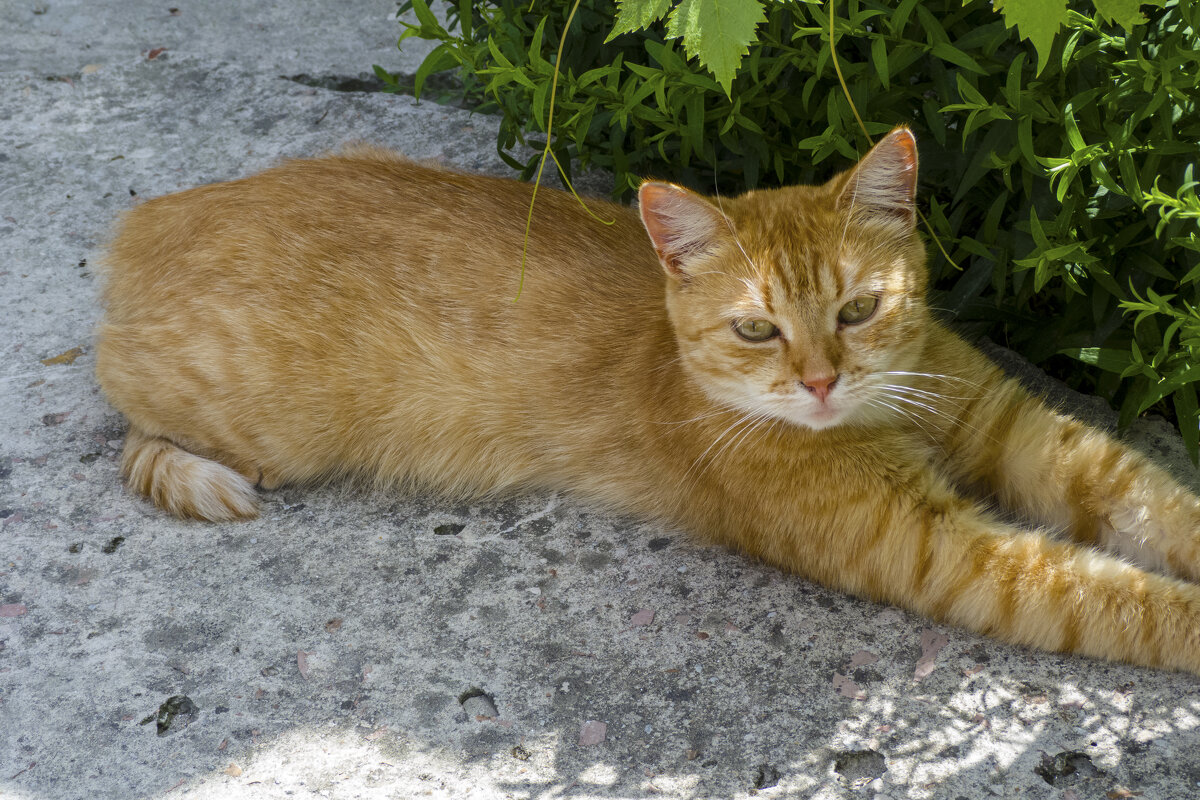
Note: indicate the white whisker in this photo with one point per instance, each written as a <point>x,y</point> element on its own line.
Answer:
<point>913,418</point>
<point>732,444</point>
<point>937,412</point>
<point>934,376</point>
<point>749,415</point>
<point>746,420</point>
<point>925,393</point>
<point>957,421</point>
<point>724,408</point>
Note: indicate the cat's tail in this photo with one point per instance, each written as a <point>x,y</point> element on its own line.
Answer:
<point>184,483</point>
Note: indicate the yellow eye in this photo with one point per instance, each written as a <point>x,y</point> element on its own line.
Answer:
<point>755,330</point>
<point>860,309</point>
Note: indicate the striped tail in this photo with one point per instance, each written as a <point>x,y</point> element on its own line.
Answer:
<point>185,484</point>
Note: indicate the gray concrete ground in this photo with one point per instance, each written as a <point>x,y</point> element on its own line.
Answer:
<point>348,645</point>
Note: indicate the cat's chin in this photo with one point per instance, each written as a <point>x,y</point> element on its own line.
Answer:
<point>822,418</point>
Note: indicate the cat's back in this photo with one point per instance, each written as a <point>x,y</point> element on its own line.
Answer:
<point>364,210</point>
<point>343,312</point>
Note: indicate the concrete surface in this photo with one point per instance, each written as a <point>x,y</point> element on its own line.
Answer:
<point>357,646</point>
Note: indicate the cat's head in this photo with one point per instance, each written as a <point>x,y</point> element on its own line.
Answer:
<point>804,303</point>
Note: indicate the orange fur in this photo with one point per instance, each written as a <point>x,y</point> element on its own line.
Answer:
<point>353,315</point>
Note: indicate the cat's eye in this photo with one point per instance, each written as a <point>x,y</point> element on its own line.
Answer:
<point>860,309</point>
<point>755,330</point>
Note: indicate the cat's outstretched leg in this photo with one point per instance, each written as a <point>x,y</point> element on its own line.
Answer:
<point>914,542</point>
<point>184,483</point>
<point>960,565</point>
<point>1060,472</point>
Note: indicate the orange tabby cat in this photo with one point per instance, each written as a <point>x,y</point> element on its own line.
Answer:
<point>766,374</point>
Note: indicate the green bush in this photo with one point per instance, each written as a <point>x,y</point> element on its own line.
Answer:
<point>1064,197</point>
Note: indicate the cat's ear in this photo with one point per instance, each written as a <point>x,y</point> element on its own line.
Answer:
<point>884,184</point>
<point>682,224</point>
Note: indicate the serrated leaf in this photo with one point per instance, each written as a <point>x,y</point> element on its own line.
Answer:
<point>633,15</point>
<point>1036,20</point>
<point>717,32</point>
<point>1125,13</point>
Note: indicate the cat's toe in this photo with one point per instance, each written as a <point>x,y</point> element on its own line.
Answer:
<point>268,481</point>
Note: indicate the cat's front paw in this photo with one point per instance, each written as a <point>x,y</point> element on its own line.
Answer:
<point>1161,535</point>
<point>1133,533</point>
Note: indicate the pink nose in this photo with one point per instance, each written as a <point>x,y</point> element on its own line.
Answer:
<point>820,385</point>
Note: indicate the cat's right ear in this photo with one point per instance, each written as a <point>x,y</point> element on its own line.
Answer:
<point>682,225</point>
<point>883,185</point>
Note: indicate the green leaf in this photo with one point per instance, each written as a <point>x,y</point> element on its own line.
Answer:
<point>1012,84</point>
<point>1106,358</point>
<point>1025,141</point>
<point>1036,20</point>
<point>969,93</point>
<point>1169,386</point>
<point>534,50</point>
<point>427,19</point>
<point>439,59</point>
<point>388,78</point>
<point>717,32</point>
<point>880,60</point>
<point>1125,13</point>
<point>948,52</point>
<point>1073,135</point>
<point>633,15</point>
<point>1189,424</point>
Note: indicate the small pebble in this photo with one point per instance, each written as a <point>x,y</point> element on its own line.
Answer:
<point>643,617</point>
<point>480,706</point>
<point>592,733</point>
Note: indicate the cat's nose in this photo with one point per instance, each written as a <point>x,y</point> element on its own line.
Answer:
<point>820,385</point>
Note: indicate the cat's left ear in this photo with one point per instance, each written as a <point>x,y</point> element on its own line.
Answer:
<point>884,184</point>
<point>682,225</point>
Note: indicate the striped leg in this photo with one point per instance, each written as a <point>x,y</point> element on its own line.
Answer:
<point>1061,473</point>
<point>942,556</point>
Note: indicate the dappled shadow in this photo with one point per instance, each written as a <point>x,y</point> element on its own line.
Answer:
<point>339,641</point>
